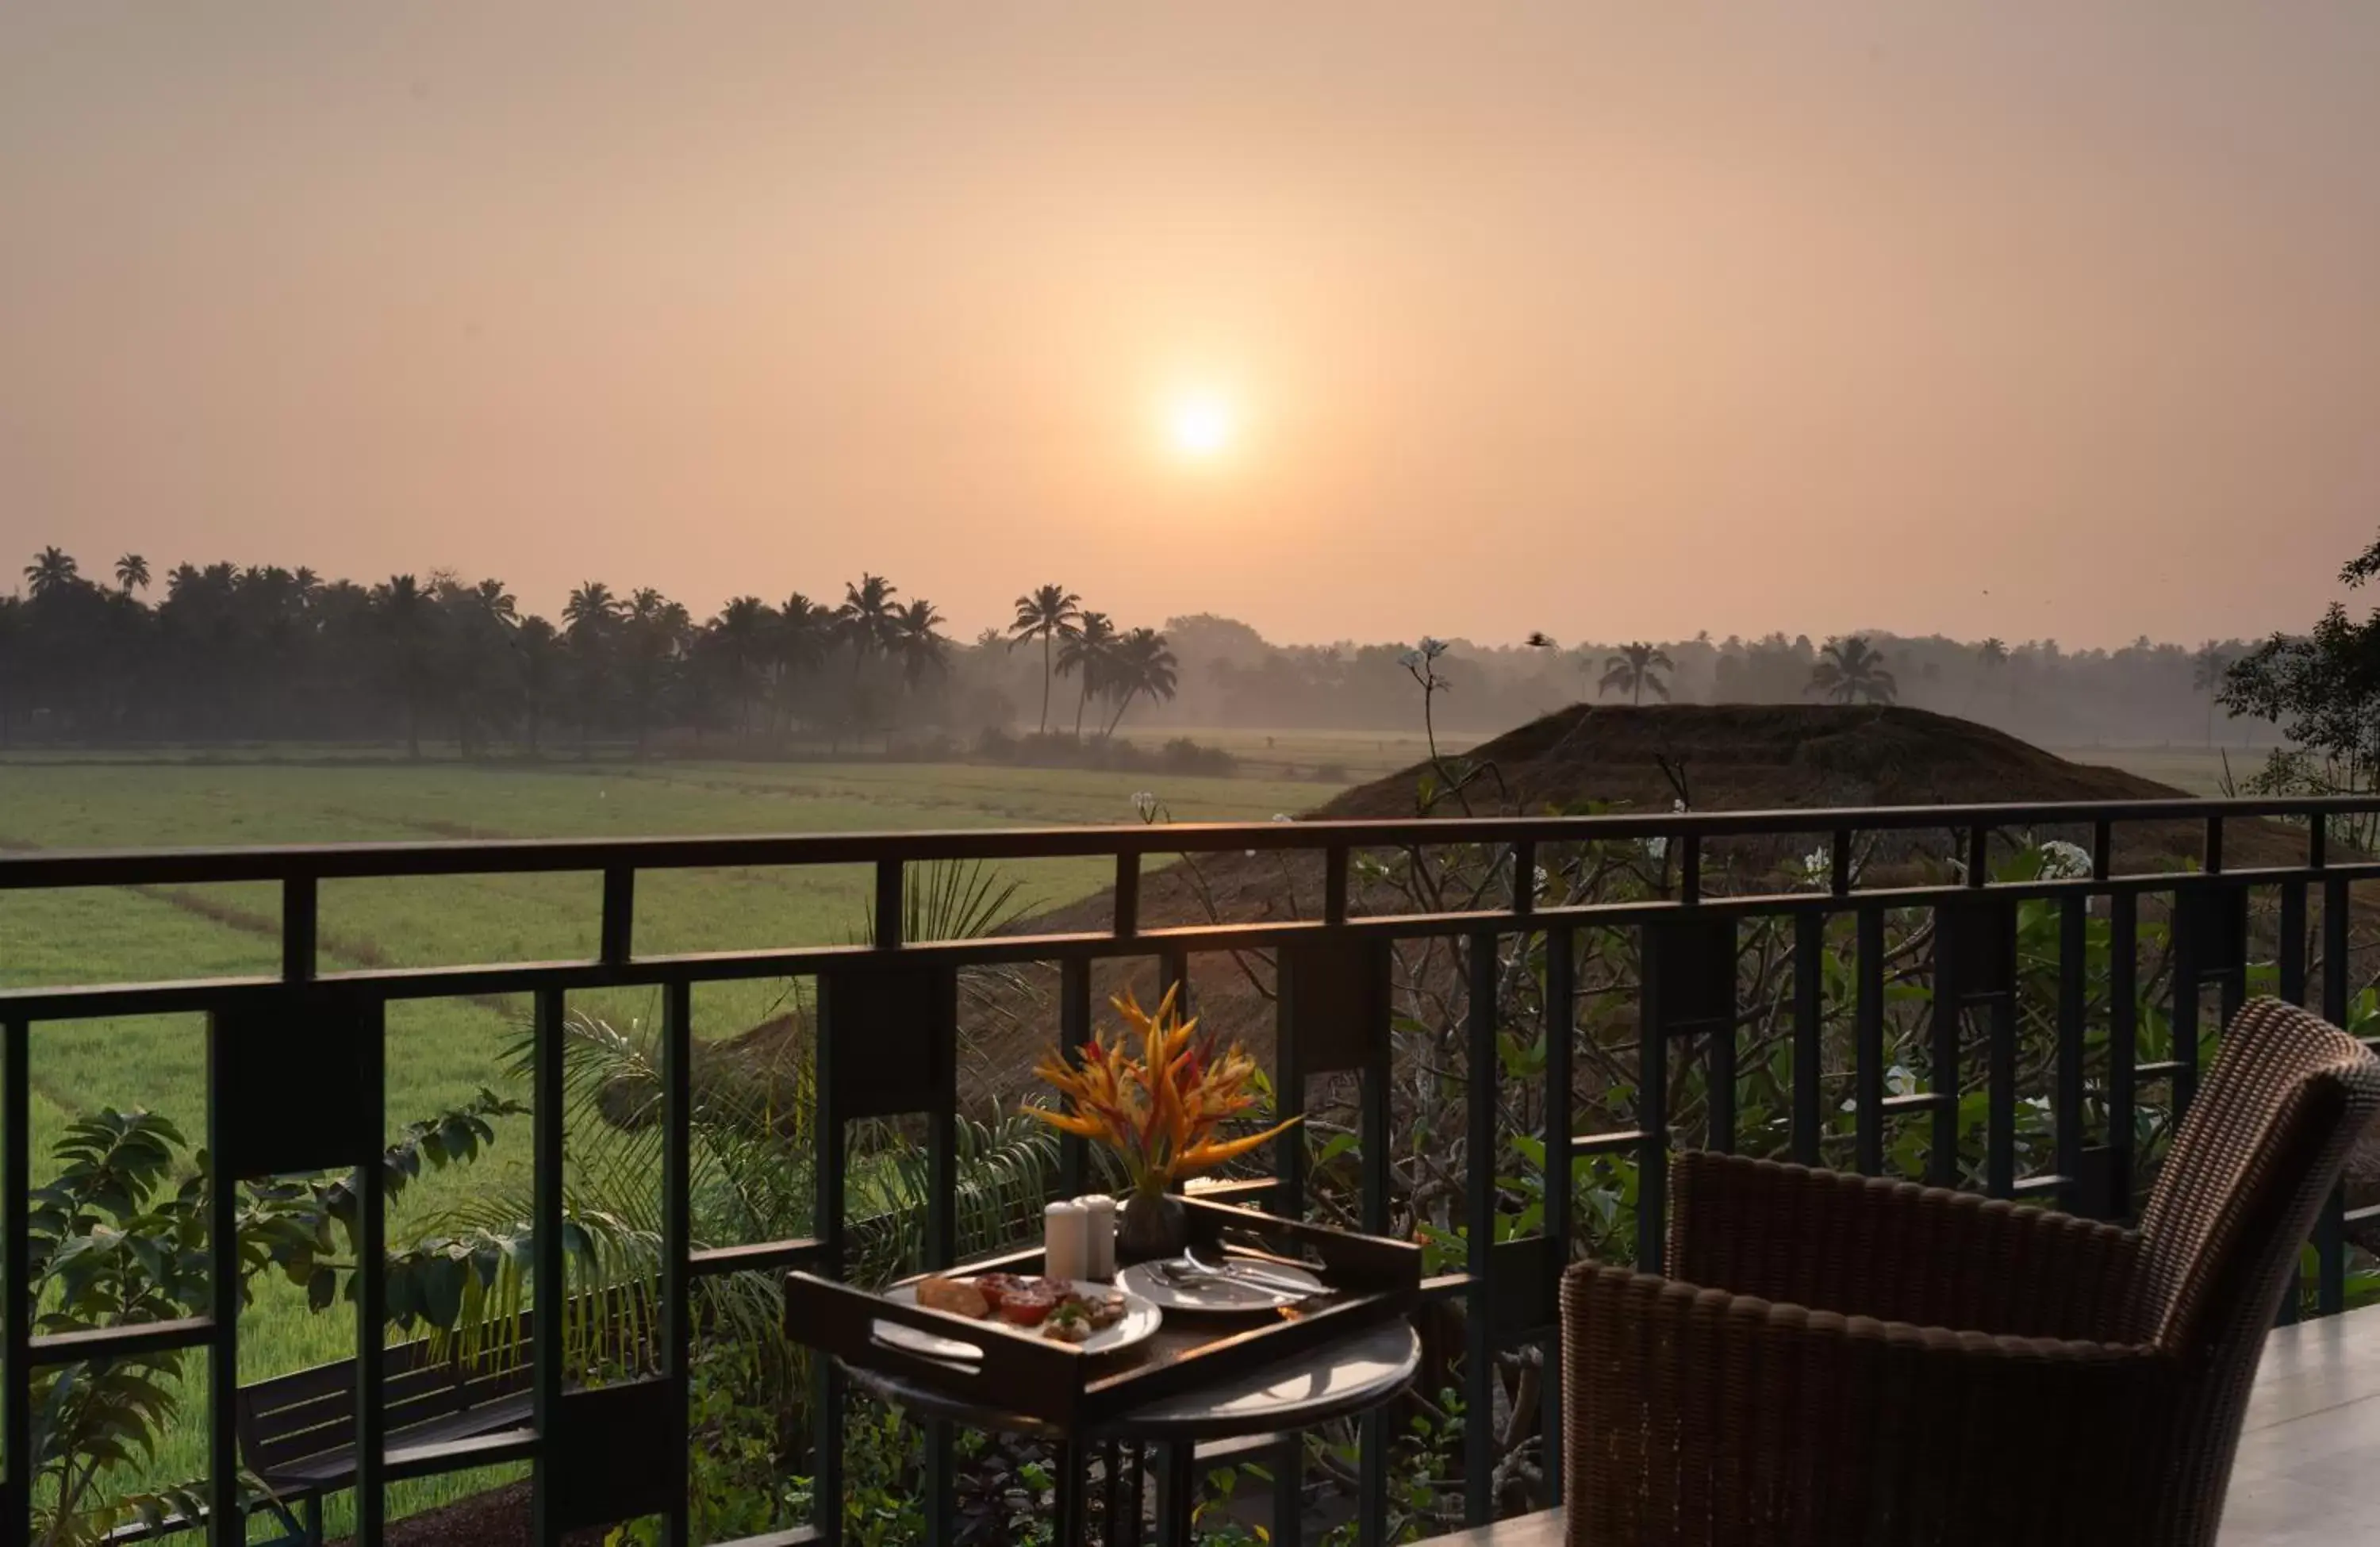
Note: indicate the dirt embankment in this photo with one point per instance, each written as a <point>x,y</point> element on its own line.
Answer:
<point>1725,757</point>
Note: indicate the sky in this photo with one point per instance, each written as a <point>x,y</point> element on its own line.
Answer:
<point>1348,319</point>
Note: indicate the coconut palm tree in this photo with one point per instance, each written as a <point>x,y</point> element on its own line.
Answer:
<point>403,608</point>
<point>2208,670</point>
<point>132,573</point>
<point>1138,666</point>
<point>537,652</point>
<point>805,634</point>
<point>1088,648</point>
<point>742,631</point>
<point>1994,653</point>
<point>1633,671</point>
<point>916,643</point>
<point>1047,613</point>
<point>591,622</point>
<point>866,617</point>
<point>1847,671</point>
<point>52,571</point>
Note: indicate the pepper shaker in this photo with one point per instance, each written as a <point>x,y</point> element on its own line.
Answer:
<point>1100,1215</point>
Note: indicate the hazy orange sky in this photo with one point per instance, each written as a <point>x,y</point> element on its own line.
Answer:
<point>1609,321</point>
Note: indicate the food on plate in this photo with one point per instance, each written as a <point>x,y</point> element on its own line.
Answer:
<point>997,1287</point>
<point>1060,1309</point>
<point>1029,1305</point>
<point>954,1295</point>
<point>1103,1308</point>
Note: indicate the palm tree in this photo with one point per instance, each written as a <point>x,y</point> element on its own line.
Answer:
<point>914,641</point>
<point>656,630</point>
<point>538,649</point>
<point>866,616</point>
<point>1994,653</point>
<point>1050,612</point>
<point>2208,668</point>
<point>132,573</point>
<point>805,632</point>
<point>1631,670</point>
<point>52,571</point>
<point>1849,671</point>
<point>590,620</point>
<point>742,629</point>
<point>1138,666</point>
<point>1088,645</point>
<point>404,611</point>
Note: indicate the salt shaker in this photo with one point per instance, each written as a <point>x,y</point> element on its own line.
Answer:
<point>1099,1212</point>
<point>1065,1241</point>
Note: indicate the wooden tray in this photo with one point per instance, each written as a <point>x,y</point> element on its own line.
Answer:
<point>1021,1374</point>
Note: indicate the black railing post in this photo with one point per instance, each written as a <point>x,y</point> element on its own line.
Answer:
<point>618,938</point>
<point>2330,1231</point>
<point>1561,965</point>
<point>1074,1031</point>
<point>15,1298</point>
<point>370,1024</point>
<point>1479,1225</point>
<point>2073,1033</point>
<point>678,1246</point>
<point>889,910</point>
<point>547,1290</point>
<point>226,1526</point>
<point>1867,1052</point>
<point>300,910</point>
<point>1809,969</point>
<point>2123,1048</point>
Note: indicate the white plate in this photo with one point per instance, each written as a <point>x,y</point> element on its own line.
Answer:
<point>1215,1294</point>
<point>1140,1320</point>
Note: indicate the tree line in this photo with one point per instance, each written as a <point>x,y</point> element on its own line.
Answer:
<point>233,652</point>
<point>261,651</point>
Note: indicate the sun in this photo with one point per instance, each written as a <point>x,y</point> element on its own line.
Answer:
<point>1202,425</point>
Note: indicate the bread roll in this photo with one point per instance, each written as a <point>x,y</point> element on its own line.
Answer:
<point>955,1296</point>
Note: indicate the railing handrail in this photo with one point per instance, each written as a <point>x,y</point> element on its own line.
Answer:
<point>127,867</point>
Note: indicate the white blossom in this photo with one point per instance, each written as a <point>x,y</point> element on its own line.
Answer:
<point>1145,802</point>
<point>2063,861</point>
<point>1818,866</point>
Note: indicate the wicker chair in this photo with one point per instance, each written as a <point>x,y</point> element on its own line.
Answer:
<point>1845,1359</point>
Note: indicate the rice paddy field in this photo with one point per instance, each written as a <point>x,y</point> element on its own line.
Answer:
<point>441,1052</point>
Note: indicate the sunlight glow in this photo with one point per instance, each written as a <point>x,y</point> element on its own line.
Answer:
<point>1202,425</point>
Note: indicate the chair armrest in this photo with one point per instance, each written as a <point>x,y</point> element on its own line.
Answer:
<point>1695,1418</point>
<point>1862,1246</point>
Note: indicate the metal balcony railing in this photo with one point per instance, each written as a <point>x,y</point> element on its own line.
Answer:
<point>2064,1084</point>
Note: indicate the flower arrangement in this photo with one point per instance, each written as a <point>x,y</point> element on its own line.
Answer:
<point>1158,1111</point>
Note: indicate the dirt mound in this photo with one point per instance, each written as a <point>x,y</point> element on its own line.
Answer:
<point>1738,757</point>
<point>1753,757</point>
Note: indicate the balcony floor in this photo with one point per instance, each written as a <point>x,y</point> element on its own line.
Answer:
<point>2306,1472</point>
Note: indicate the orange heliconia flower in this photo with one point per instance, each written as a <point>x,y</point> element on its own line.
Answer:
<point>1158,1111</point>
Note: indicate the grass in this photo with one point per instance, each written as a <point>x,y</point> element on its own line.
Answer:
<point>441,1052</point>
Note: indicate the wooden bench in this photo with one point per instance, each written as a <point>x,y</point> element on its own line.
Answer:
<point>297,1431</point>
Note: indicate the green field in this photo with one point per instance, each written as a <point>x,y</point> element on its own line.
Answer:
<point>441,1052</point>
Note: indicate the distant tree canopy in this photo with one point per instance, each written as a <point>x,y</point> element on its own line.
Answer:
<point>225,652</point>
<point>264,652</point>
